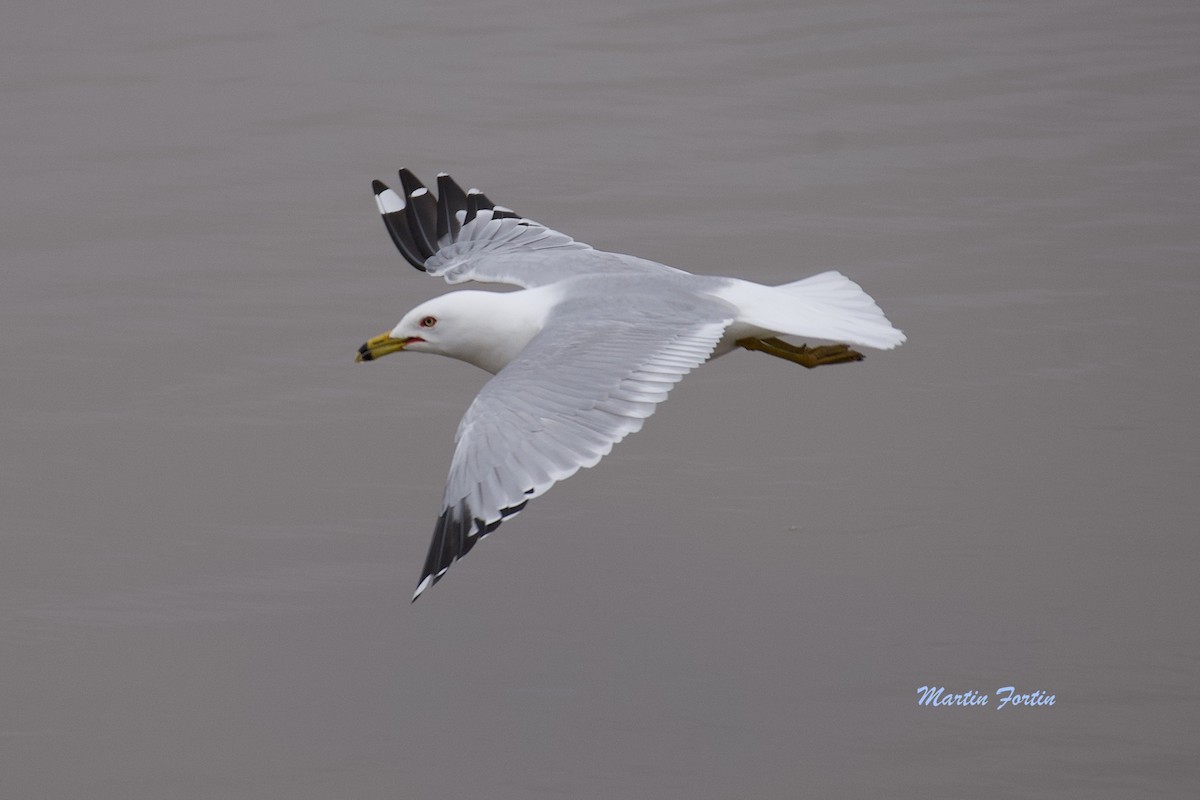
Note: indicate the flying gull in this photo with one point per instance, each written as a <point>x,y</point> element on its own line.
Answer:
<point>585,352</point>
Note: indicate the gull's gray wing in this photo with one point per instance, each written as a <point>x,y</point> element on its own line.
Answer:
<point>595,372</point>
<point>464,236</point>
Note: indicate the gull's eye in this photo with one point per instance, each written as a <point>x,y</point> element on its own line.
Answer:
<point>428,322</point>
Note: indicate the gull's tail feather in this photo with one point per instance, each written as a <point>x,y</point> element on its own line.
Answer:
<point>825,306</point>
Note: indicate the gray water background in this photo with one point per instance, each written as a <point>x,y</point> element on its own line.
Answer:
<point>212,519</point>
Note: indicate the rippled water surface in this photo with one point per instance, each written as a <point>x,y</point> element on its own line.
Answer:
<point>212,519</point>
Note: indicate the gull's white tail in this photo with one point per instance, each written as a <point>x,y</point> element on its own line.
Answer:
<point>825,306</point>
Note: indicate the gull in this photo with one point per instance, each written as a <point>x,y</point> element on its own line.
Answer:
<point>584,351</point>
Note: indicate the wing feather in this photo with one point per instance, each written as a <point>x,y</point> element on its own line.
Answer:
<point>590,378</point>
<point>463,236</point>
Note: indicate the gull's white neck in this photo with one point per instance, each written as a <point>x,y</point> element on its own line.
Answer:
<point>492,328</point>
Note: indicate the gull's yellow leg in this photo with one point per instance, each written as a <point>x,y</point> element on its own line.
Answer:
<point>802,354</point>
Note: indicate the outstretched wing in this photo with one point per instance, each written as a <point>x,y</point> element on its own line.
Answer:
<point>592,376</point>
<point>463,236</point>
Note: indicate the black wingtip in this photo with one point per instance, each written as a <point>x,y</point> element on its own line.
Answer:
<point>420,223</point>
<point>422,218</point>
<point>395,217</point>
<point>421,209</point>
<point>476,202</point>
<point>449,542</point>
<point>409,181</point>
<point>451,200</point>
<point>457,531</point>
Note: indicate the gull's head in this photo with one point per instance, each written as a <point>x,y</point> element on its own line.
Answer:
<point>486,329</point>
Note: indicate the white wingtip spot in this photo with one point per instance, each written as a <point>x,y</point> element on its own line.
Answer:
<point>418,192</point>
<point>424,585</point>
<point>389,202</point>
